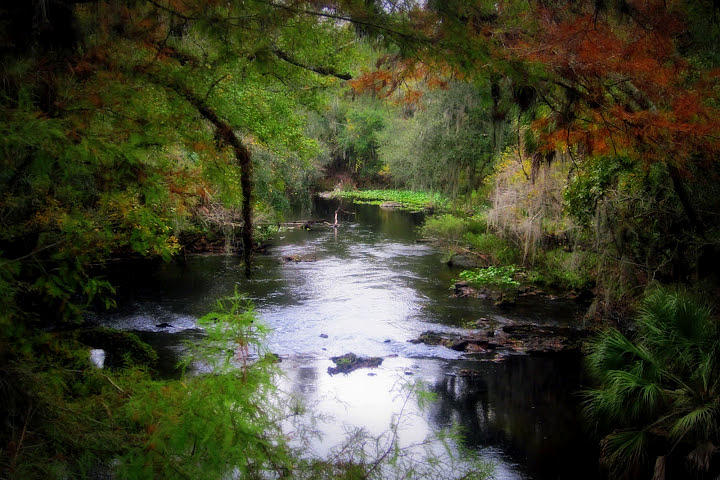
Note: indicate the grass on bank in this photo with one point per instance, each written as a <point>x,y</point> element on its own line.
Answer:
<point>407,198</point>
<point>551,268</point>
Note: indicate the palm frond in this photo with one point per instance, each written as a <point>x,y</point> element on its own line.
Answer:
<point>624,450</point>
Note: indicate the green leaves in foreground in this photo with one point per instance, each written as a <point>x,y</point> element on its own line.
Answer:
<point>206,426</point>
<point>659,391</point>
<point>223,418</point>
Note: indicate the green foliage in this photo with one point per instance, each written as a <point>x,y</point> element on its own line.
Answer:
<point>587,188</point>
<point>409,199</point>
<point>573,270</point>
<point>208,425</point>
<point>445,228</point>
<point>81,419</point>
<point>500,250</point>
<point>472,232</point>
<point>658,392</point>
<point>501,278</point>
<point>359,140</point>
<point>349,130</point>
<point>446,144</point>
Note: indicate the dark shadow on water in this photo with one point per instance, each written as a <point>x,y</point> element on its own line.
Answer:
<point>528,407</point>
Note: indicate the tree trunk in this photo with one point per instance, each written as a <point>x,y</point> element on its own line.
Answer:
<point>684,198</point>
<point>244,160</point>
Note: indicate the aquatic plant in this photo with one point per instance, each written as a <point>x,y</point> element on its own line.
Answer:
<point>494,277</point>
<point>408,198</point>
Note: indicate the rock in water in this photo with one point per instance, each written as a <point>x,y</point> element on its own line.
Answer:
<point>520,338</point>
<point>351,362</point>
<point>463,261</point>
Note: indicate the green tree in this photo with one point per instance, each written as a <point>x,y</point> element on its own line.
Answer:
<point>448,143</point>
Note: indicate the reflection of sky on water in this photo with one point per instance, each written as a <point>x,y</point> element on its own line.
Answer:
<point>374,399</point>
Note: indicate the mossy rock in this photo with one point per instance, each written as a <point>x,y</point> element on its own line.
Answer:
<point>122,349</point>
<point>350,362</point>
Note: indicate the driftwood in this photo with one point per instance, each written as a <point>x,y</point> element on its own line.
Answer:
<point>308,224</point>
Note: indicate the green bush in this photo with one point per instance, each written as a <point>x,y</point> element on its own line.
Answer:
<point>501,251</point>
<point>444,228</point>
<point>567,270</point>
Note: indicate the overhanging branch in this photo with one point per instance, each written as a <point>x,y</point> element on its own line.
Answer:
<point>326,71</point>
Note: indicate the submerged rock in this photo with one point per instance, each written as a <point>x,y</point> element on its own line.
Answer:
<point>351,362</point>
<point>163,325</point>
<point>299,258</point>
<point>429,338</point>
<point>464,261</point>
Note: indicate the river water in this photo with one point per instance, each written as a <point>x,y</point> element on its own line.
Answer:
<point>368,287</point>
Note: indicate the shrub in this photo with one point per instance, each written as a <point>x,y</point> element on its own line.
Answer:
<point>658,393</point>
<point>499,249</point>
<point>567,270</point>
<point>444,228</point>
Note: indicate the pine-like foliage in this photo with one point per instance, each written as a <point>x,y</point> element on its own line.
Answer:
<point>660,391</point>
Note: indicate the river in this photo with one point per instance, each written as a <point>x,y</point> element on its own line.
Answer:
<point>368,287</point>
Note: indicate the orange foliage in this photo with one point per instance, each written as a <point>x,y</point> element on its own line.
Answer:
<point>629,88</point>
<point>394,73</point>
<point>615,80</point>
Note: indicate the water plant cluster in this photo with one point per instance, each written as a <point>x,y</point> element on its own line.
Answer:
<point>502,278</point>
<point>406,199</point>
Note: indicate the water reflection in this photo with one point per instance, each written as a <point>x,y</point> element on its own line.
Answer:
<point>369,289</point>
<point>528,407</point>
